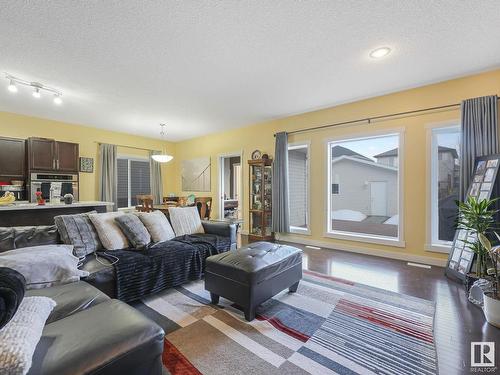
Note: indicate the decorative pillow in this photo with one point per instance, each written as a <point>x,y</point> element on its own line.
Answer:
<point>12,288</point>
<point>157,225</point>
<point>44,266</point>
<point>185,220</point>
<point>110,234</point>
<point>18,339</point>
<point>134,229</point>
<point>78,230</point>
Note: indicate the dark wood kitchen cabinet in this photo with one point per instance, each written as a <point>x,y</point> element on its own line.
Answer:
<point>12,158</point>
<point>50,155</point>
<point>41,154</point>
<point>67,156</point>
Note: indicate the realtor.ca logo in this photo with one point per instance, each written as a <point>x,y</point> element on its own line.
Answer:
<point>482,357</point>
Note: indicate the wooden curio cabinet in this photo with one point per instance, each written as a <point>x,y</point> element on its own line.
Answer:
<point>260,200</point>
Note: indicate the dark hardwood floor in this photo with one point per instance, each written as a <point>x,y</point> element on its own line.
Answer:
<point>457,321</point>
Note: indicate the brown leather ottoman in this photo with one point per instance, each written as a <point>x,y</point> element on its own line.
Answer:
<point>253,274</point>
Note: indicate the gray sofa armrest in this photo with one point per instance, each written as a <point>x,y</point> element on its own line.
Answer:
<point>221,229</point>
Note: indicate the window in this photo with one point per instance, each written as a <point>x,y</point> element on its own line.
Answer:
<point>133,180</point>
<point>445,183</point>
<point>298,187</point>
<point>367,208</point>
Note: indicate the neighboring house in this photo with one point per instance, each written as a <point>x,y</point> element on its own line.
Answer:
<point>448,168</point>
<point>388,158</point>
<point>297,187</point>
<point>360,184</point>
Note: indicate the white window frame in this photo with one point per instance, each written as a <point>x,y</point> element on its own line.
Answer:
<point>129,158</point>
<point>368,238</point>
<point>433,243</point>
<point>307,146</point>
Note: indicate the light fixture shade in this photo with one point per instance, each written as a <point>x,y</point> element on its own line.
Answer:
<point>57,99</point>
<point>162,158</point>
<point>12,86</point>
<point>36,93</point>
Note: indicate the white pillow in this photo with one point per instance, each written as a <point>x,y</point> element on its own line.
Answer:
<point>44,266</point>
<point>185,220</point>
<point>157,225</point>
<point>19,337</point>
<point>110,234</point>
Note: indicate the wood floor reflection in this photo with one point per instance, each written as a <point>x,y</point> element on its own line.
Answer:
<point>457,321</point>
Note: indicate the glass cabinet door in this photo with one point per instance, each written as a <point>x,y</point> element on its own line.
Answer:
<point>256,224</point>
<point>256,176</point>
<point>267,188</point>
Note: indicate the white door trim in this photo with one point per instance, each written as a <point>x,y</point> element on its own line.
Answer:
<point>220,197</point>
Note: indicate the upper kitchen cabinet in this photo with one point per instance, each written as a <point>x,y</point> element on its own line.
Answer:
<point>67,156</point>
<point>12,158</point>
<point>50,155</point>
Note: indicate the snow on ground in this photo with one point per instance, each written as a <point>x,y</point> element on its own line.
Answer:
<point>350,215</point>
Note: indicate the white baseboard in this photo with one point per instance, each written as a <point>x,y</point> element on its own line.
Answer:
<point>365,250</point>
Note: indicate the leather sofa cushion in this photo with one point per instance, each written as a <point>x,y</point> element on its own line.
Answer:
<point>70,298</point>
<point>16,237</point>
<point>254,263</point>
<point>109,338</point>
<point>101,274</point>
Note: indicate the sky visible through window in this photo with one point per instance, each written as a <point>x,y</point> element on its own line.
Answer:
<point>371,146</point>
<point>374,146</point>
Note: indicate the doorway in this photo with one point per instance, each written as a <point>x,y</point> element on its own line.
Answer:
<point>378,198</point>
<point>230,187</point>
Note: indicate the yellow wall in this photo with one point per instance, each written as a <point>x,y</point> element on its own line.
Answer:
<point>19,126</point>
<point>260,136</point>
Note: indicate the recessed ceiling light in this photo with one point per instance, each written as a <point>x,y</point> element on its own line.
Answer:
<point>380,52</point>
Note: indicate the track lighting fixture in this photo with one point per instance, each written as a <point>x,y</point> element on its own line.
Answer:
<point>12,86</point>
<point>36,93</point>
<point>57,99</point>
<point>14,82</point>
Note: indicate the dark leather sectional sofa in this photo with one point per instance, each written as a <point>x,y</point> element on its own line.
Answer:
<point>88,332</point>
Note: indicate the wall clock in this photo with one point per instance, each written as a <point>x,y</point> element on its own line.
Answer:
<point>256,155</point>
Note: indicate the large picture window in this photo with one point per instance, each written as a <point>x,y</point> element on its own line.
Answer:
<point>363,188</point>
<point>133,180</point>
<point>298,187</point>
<point>445,183</point>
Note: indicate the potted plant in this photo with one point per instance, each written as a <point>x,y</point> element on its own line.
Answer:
<point>492,298</point>
<point>477,217</point>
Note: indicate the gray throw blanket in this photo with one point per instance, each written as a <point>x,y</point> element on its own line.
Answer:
<point>164,265</point>
<point>12,288</point>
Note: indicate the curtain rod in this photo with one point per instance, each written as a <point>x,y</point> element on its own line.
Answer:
<point>132,147</point>
<point>370,119</point>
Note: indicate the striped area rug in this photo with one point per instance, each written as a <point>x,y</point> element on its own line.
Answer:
<point>330,326</point>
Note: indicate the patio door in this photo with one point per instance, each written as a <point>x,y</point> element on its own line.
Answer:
<point>378,198</point>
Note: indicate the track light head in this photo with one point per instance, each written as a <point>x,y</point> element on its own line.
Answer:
<point>12,86</point>
<point>36,93</point>
<point>57,99</point>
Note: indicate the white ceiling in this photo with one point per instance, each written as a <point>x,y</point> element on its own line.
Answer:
<point>208,66</point>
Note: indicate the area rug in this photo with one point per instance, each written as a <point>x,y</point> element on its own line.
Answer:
<point>329,326</point>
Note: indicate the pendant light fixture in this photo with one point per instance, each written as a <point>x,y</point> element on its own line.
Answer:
<point>163,157</point>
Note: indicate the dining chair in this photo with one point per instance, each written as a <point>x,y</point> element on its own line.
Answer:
<point>204,205</point>
<point>144,203</point>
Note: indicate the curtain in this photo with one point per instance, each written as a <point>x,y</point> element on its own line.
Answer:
<point>280,210</point>
<point>479,135</point>
<point>155,179</point>
<point>108,174</point>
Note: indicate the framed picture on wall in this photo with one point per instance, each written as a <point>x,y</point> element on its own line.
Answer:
<point>86,165</point>
<point>483,184</point>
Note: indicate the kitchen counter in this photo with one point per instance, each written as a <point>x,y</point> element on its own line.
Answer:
<point>33,206</point>
<point>24,213</point>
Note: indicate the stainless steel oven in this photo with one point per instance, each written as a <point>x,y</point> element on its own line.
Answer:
<point>59,183</point>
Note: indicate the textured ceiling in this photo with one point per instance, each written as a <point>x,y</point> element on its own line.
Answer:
<point>207,66</point>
